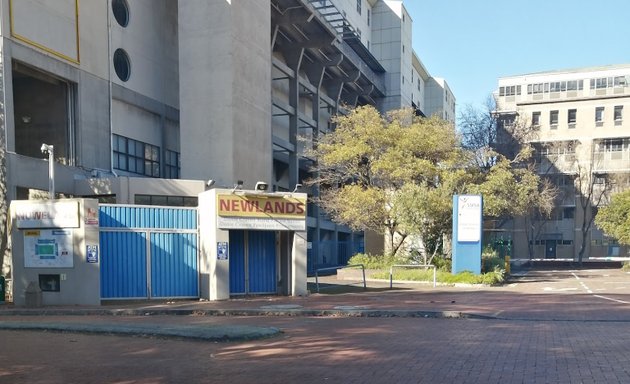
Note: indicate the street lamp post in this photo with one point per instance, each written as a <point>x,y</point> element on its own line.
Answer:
<point>51,168</point>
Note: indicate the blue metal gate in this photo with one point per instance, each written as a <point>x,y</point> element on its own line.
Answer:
<point>253,254</point>
<point>148,252</point>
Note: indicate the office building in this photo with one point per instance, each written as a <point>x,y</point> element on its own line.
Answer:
<point>582,144</point>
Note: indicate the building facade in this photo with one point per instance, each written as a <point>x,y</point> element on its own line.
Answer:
<point>582,145</point>
<point>145,100</point>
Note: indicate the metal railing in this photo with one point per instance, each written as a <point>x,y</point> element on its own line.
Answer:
<point>391,271</point>
<point>336,268</point>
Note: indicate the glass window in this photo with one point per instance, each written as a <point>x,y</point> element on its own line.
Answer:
<point>553,117</point>
<point>136,157</point>
<point>569,212</point>
<point>572,116</point>
<point>368,17</point>
<point>359,6</point>
<point>171,165</point>
<point>120,9</point>
<point>536,119</point>
<point>122,64</point>
<point>618,112</point>
<point>620,81</point>
<point>599,114</point>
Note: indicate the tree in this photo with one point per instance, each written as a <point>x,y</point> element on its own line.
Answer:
<point>486,131</point>
<point>396,174</point>
<point>365,163</point>
<point>500,142</point>
<point>593,190</point>
<point>614,219</point>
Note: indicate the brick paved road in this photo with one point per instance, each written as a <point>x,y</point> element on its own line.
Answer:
<point>523,346</point>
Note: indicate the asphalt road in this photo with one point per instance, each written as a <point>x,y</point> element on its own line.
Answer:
<point>566,326</point>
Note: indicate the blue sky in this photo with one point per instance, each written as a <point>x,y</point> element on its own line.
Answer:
<point>473,43</point>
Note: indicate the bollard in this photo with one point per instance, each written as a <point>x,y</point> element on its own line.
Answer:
<point>507,264</point>
<point>33,295</point>
<point>3,289</point>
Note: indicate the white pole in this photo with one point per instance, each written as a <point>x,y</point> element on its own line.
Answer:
<point>51,172</point>
<point>51,169</point>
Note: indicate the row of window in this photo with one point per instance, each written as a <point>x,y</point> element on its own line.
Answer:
<point>141,158</point>
<point>554,116</point>
<point>612,145</point>
<point>546,242</point>
<point>570,85</point>
<point>545,150</point>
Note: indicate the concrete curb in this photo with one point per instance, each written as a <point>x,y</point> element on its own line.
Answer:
<point>205,333</point>
<point>242,312</point>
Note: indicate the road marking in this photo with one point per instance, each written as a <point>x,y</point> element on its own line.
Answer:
<point>611,299</point>
<point>598,296</point>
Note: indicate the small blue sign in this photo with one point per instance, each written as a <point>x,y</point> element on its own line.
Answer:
<point>222,250</point>
<point>91,254</point>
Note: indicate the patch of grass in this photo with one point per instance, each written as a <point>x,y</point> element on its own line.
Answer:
<point>495,277</point>
<point>374,261</point>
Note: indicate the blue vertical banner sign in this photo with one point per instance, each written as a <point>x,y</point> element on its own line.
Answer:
<point>467,233</point>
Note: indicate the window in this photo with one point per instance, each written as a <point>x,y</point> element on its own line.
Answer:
<point>536,119</point>
<point>618,112</point>
<point>510,90</point>
<point>171,165</point>
<point>136,157</point>
<point>122,65</point>
<point>572,116</point>
<point>359,6</point>
<point>568,213</point>
<point>602,82</point>
<point>599,114</point>
<point>611,145</point>
<point>368,17</point>
<point>553,118</point>
<point>620,81</point>
<point>171,201</point>
<point>120,9</point>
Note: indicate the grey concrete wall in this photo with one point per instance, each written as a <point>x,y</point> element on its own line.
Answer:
<point>225,91</point>
<point>151,41</point>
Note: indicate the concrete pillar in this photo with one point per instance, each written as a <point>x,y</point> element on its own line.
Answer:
<point>298,264</point>
<point>214,274</point>
<point>225,91</point>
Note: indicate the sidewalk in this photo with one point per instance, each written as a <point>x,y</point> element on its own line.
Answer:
<point>535,297</point>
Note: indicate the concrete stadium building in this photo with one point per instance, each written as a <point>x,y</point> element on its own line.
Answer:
<point>144,101</point>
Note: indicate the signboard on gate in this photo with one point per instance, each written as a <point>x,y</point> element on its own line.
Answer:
<point>261,211</point>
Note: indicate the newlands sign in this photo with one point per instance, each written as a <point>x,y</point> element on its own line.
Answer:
<point>261,211</point>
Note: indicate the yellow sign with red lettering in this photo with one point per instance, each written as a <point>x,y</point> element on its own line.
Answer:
<point>261,206</point>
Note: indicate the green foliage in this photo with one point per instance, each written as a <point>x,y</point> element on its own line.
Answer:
<point>385,173</point>
<point>491,262</point>
<point>396,174</point>
<point>625,266</point>
<point>495,277</point>
<point>443,263</point>
<point>375,261</point>
<point>614,219</point>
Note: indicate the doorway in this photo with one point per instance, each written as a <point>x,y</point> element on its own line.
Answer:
<point>550,249</point>
<point>253,262</point>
